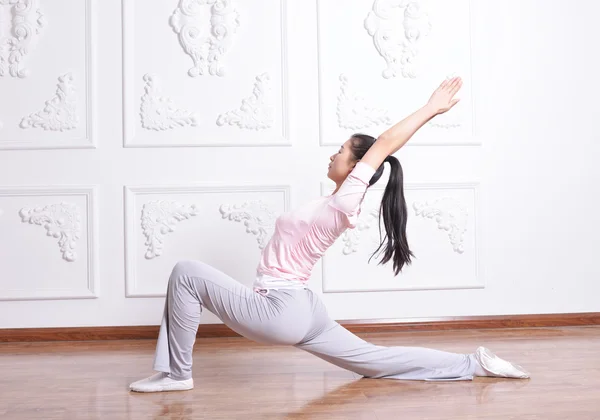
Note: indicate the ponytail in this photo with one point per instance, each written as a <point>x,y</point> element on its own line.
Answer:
<point>395,215</point>
<point>393,207</point>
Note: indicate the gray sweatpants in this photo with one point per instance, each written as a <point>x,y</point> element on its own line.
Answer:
<point>294,317</point>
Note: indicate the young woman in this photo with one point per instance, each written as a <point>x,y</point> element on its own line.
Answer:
<point>281,310</point>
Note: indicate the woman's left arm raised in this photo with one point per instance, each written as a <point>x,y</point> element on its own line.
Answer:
<point>388,143</point>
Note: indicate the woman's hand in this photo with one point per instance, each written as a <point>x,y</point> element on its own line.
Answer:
<point>396,136</point>
<point>441,100</point>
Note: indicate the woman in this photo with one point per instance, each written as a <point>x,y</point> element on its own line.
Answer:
<point>281,310</point>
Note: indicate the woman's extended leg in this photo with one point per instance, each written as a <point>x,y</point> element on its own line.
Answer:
<point>339,346</point>
<point>193,286</point>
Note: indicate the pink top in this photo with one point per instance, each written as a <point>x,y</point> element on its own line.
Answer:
<point>303,235</point>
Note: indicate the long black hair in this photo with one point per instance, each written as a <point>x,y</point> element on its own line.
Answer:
<point>393,207</point>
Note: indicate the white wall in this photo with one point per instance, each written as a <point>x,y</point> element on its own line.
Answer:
<point>510,171</point>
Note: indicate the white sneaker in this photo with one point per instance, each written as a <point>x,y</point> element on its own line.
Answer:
<point>499,367</point>
<point>160,382</point>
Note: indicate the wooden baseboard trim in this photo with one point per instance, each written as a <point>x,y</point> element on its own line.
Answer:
<point>355,326</point>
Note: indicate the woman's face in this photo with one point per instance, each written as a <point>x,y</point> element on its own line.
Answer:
<point>341,163</point>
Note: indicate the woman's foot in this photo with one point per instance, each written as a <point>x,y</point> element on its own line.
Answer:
<point>492,365</point>
<point>160,382</point>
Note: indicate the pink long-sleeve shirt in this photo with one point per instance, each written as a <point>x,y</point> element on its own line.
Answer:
<point>302,235</point>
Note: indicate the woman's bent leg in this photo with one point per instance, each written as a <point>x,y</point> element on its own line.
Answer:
<point>192,286</point>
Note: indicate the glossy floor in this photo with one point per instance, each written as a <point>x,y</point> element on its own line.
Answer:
<point>237,379</point>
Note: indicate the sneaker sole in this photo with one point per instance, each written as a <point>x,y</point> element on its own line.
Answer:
<point>161,389</point>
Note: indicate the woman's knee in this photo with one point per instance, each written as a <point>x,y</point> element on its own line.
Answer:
<point>185,268</point>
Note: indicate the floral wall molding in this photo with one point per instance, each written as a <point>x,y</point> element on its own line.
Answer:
<point>60,112</point>
<point>159,113</point>
<point>256,216</point>
<point>160,217</point>
<point>257,111</point>
<point>205,44</point>
<point>449,126</point>
<point>353,111</point>
<point>62,221</point>
<point>23,30</point>
<point>398,42</point>
<point>450,217</point>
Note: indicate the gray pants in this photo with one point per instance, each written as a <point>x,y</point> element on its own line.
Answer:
<point>294,317</point>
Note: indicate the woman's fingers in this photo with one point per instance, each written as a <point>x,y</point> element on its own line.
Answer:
<point>447,83</point>
<point>445,92</point>
<point>456,87</point>
<point>453,82</point>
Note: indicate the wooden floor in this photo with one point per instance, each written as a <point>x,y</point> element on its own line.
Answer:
<point>237,379</point>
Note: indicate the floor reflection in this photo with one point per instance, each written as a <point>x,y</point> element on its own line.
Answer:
<point>362,398</point>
